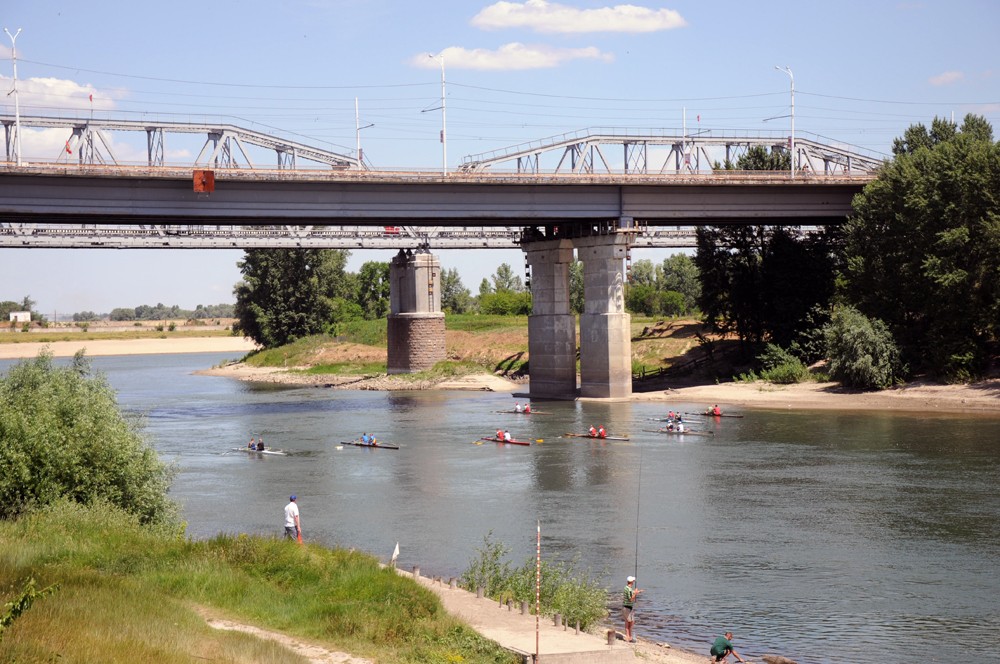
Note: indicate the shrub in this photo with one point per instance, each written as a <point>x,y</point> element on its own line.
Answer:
<point>780,366</point>
<point>862,351</point>
<point>64,437</point>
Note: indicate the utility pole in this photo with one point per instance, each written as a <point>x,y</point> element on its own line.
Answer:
<point>17,107</point>
<point>788,71</point>
<point>357,133</point>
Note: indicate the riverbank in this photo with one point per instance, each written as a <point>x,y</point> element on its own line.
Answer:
<point>975,398</point>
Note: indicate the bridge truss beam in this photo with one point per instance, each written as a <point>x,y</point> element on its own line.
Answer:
<point>120,236</point>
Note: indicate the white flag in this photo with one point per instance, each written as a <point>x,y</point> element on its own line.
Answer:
<point>395,554</point>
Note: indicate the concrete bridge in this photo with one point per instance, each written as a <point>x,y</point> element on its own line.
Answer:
<point>550,216</point>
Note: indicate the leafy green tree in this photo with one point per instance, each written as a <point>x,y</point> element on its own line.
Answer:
<point>65,438</point>
<point>84,316</point>
<point>122,314</point>
<point>505,303</point>
<point>287,294</point>
<point>373,289</point>
<point>643,273</point>
<point>576,295</point>
<point>504,279</point>
<point>861,351</point>
<point>759,158</point>
<point>923,247</point>
<point>680,274</point>
<point>455,297</point>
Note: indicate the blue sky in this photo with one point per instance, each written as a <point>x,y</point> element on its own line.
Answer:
<point>516,71</point>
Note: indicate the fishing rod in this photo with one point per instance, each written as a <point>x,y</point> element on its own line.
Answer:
<point>638,494</point>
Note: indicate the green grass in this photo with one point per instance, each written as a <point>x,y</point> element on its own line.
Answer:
<point>347,368</point>
<point>484,323</point>
<point>129,593</point>
<point>297,353</point>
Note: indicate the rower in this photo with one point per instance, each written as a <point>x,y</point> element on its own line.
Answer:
<point>500,434</point>
<point>680,426</point>
<point>592,431</point>
<point>716,410</point>
<point>671,415</point>
<point>260,444</point>
<point>372,440</point>
<point>601,433</point>
<point>506,436</point>
<point>517,408</point>
<point>364,438</point>
<point>527,408</point>
<point>251,445</point>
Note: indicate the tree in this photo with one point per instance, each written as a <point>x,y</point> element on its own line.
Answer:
<point>923,247</point>
<point>861,351</point>
<point>373,289</point>
<point>504,279</point>
<point>680,274</point>
<point>643,273</point>
<point>287,294</point>
<point>759,158</point>
<point>576,295</point>
<point>65,438</point>
<point>455,297</point>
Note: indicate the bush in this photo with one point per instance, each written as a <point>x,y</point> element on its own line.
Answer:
<point>505,303</point>
<point>780,366</point>
<point>862,351</point>
<point>564,589</point>
<point>64,437</point>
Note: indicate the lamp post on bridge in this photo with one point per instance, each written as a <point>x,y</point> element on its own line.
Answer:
<point>788,71</point>
<point>357,133</point>
<point>17,107</point>
<point>444,124</point>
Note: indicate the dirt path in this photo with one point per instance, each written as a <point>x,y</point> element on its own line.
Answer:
<point>315,654</point>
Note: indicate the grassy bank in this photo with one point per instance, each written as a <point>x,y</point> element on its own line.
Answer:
<point>128,593</point>
<point>56,334</point>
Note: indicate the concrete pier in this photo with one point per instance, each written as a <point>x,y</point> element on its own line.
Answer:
<point>551,325</point>
<point>605,327</point>
<point>416,323</point>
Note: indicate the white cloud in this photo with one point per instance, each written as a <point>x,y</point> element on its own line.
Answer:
<point>41,96</point>
<point>946,78</point>
<point>513,56</point>
<point>543,16</point>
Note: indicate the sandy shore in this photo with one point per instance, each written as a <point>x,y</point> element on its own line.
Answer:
<point>981,398</point>
<point>93,348</point>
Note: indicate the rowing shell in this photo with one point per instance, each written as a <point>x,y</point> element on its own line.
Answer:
<point>587,435</point>
<point>521,412</point>
<point>512,442</point>
<point>687,432</point>
<point>713,415</point>
<point>358,443</point>
<point>247,449</point>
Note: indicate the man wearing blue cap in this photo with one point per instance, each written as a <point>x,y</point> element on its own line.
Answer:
<point>292,528</point>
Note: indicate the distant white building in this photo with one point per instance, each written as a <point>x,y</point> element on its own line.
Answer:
<point>20,317</point>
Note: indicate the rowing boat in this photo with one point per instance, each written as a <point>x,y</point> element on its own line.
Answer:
<point>358,443</point>
<point>247,449</point>
<point>686,432</point>
<point>521,412</point>
<point>494,439</point>
<point>708,414</point>
<point>666,419</point>
<point>587,435</point>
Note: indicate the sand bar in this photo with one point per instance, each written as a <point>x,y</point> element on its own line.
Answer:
<point>100,347</point>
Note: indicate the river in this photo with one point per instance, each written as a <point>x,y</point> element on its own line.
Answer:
<point>821,536</point>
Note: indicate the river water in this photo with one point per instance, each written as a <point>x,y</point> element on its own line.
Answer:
<point>822,536</point>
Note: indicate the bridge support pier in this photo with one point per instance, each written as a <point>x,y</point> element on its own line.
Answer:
<point>416,323</point>
<point>605,327</point>
<point>551,325</point>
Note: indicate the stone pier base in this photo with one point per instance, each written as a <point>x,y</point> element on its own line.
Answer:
<point>416,342</point>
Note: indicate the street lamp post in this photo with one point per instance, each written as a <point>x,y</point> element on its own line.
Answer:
<point>788,71</point>
<point>444,123</point>
<point>17,107</point>
<point>357,132</point>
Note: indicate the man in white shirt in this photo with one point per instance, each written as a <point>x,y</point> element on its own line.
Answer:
<point>293,529</point>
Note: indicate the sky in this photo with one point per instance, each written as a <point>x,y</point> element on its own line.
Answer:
<point>515,71</point>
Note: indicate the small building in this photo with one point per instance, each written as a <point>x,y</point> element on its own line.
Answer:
<point>20,317</point>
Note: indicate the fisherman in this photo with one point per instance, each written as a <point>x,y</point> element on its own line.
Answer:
<point>722,647</point>
<point>601,433</point>
<point>592,431</point>
<point>527,409</point>
<point>293,528</point>
<point>517,408</point>
<point>628,607</point>
<point>506,436</point>
<point>260,444</point>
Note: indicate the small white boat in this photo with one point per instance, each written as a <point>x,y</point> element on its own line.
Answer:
<point>253,451</point>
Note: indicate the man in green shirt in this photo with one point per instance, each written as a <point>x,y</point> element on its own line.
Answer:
<point>722,647</point>
<point>628,607</point>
